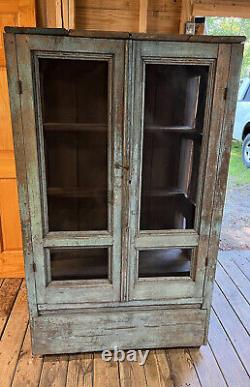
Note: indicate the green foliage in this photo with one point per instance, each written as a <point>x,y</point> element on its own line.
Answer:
<point>239,173</point>
<point>232,26</point>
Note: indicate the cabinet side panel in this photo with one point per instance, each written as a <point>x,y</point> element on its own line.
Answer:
<point>224,149</point>
<point>16,113</point>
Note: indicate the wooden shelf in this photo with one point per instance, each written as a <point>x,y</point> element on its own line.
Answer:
<point>164,193</point>
<point>74,126</point>
<point>74,192</point>
<point>176,129</point>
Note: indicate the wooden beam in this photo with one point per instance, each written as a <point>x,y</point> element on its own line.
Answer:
<point>143,13</point>
<point>56,13</point>
<point>186,14</point>
<point>226,8</point>
<point>68,13</point>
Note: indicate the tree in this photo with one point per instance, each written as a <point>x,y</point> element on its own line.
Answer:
<point>232,26</point>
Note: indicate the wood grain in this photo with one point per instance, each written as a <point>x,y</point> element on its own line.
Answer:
<point>54,371</point>
<point>80,370</point>
<point>16,13</point>
<point>29,367</point>
<point>8,292</point>
<point>13,337</point>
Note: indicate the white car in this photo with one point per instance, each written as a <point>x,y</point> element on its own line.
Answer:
<point>242,120</point>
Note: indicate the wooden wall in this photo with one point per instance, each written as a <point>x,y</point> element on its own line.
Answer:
<point>166,16</point>
<point>114,15</point>
<point>21,13</point>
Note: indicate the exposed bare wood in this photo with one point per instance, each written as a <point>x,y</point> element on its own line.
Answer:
<point>157,370</point>
<point>106,374</point>
<point>221,8</point>
<point>206,366</point>
<point>226,355</point>
<point>13,337</point>
<point>182,368</point>
<point>28,370</point>
<point>131,374</point>
<point>186,14</point>
<point>236,299</point>
<point>54,371</point>
<point>143,14</point>
<point>80,371</point>
<point>8,292</point>
<point>234,328</point>
<point>15,13</point>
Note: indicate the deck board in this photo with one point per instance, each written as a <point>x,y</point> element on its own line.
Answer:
<point>234,296</point>
<point>225,361</point>
<point>226,356</point>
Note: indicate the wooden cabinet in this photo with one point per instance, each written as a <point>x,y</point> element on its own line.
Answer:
<point>122,144</point>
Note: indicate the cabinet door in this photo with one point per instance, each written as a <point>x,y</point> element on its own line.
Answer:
<point>173,85</point>
<point>72,98</point>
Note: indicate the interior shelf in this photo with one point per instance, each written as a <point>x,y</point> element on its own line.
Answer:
<point>164,193</point>
<point>74,126</point>
<point>177,129</point>
<point>74,192</point>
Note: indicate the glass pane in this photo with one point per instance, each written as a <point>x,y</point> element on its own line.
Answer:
<point>165,262</point>
<point>173,123</point>
<point>75,120</point>
<point>78,264</point>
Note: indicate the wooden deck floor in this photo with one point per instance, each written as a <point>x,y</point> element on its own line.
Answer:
<point>225,361</point>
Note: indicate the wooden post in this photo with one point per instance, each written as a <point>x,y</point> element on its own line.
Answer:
<point>56,13</point>
<point>143,11</point>
<point>186,14</point>
<point>68,14</point>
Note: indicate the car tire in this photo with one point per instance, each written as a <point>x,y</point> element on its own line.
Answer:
<point>246,151</point>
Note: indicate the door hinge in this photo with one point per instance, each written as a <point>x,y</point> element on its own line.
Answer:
<point>34,267</point>
<point>20,87</point>
<point>225,93</point>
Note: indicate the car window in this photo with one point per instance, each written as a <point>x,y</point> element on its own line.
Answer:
<point>247,95</point>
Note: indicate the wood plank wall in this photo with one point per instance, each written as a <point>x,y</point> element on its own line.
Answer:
<point>166,16</point>
<point>15,13</point>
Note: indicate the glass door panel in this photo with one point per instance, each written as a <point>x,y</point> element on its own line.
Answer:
<point>73,91</point>
<point>173,122</point>
<point>169,128</point>
<point>79,264</point>
<point>75,128</point>
<point>175,262</point>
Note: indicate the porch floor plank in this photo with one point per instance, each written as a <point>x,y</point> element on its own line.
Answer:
<point>12,338</point>
<point>225,361</point>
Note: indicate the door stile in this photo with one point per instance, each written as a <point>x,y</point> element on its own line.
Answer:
<point>20,157</point>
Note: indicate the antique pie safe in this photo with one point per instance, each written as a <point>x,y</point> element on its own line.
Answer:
<point>122,143</point>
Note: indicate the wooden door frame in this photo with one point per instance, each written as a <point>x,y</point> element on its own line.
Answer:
<point>169,288</point>
<point>112,50</point>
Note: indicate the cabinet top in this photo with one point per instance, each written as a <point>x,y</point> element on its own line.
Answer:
<point>125,35</point>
